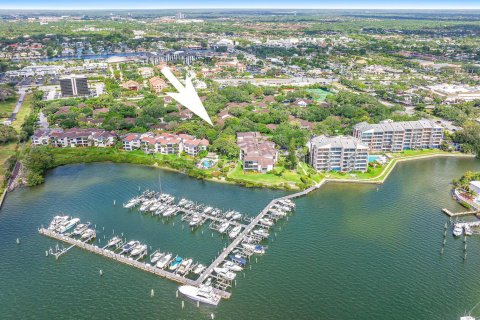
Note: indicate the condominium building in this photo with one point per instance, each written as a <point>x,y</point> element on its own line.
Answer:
<point>74,87</point>
<point>398,136</point>
<point>256,152</point>
<point>74,137</point>
<point>165,143</point>
<point>339,153</point>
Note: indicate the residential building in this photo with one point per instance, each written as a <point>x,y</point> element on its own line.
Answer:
<point>74,87</point>
<point>193,146</point>
<point>399,136</point>
<point>455,93</point>
<point>338,153</point>
<point>74,137</point>
<point>165,143</point>
<point>157,84</point>
<point>256,152</point>
<point>131,85</point>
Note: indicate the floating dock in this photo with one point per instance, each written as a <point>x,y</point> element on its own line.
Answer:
<point>459,214</point>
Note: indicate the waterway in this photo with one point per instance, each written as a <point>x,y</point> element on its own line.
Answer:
<point>348,252</point>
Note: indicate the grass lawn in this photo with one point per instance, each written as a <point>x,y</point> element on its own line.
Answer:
<point>6,151</point>
<point>414,153</point>
<point>6,107</point>
<point>319,95</point>
<point>23,113</point>
<point>287,176</point>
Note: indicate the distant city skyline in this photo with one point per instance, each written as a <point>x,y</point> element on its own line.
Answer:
<point>246,4</point>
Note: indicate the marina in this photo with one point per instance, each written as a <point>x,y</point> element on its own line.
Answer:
<point>246,241</point>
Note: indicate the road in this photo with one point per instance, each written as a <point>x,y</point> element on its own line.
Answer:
<point>15,111</point>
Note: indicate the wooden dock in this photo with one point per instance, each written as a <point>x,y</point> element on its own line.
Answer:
<point>459,214</point>
<point>128,261</point>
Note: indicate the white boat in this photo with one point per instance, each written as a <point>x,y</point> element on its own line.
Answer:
<point>156,256</point>
<point>196,219</point>
<point>57,220</point>
<point>183,268</point>
<point>132,203</point>
<point>79,229</point>
<point>129,246</point>
<point>199,269</point>
<point>236,216</point>
<point>223,227</point>
<point>88,234</point>
<point>225,273</point>
<point>468,230</point>
<point>164,261</point>
<point>113,241</point>
<point>207,210</point>
<point>254,248</point>
<point>204,294</point>
<point>261,232</point>
<point>139,249</point>
<point>266,221</point>
<point>146,205</point>
<point>229,214</point>
<point>234,232</point>
<point>458,229</point>
<point>169,212</point>
<point>232,266</point>
<point>69,225</point>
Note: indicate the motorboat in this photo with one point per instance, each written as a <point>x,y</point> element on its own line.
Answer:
<point>80,228</point>
<point>156,256</point>
<point>184,266</point>
<point>162,262</point>
<point>207,210</point>
<point>169,212</point>
<point>223,227</point>
<point>204,294</point>
<point>229,214</point>
<point>232,266</point>
<point>129,246</point>
<point>254,248</point>
<point>458,229</point>
<point>175,263</point>
<point>238,259</point>
<point>196,219</point>
<point>88,234</point>
<point>266,221</point>
<point>57,220</point>
<point>132,203</point>
<point>236,216</point>
<point>139,249</point>
<point>234,232</point>
<point>261,232</point>
<point>146,205</point>
<point>199,269</point>
<point>114,241</point>
<point>225,273</point>
<point>215,212</point>
<point>69,225</point>
<point>468,230</point>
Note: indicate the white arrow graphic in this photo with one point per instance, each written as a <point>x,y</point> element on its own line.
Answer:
<point>186,95</point>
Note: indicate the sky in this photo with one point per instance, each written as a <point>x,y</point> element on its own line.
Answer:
<point>254,4</point>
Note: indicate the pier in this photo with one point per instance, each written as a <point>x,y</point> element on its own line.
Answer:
<point>223,283</point>
<point>459,214</point>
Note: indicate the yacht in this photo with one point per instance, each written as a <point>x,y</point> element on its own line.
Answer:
<point>156,256</point>
<point>88,234</point>
<point>207,210</point>
<point>163,261</point>
<point>458,229</point>
<point>57,220</point>
<point>234,232</point>
<point>80,228</point>
<point>204,294</point>
<point>238,259</point>
<point>196,219</point>
<point>254,248</point>
<point>175,263</point>
<point>225,273</point>
<point>468,230</point>
<point>146,205</point>
<point>113,241</point>
<point>232,266</point>
<point>223,227</point>
<point>229,214</point>
<point>236,216</point>
<point>132,203</point>
<point>183,268</point>
<point>129,246</point>
<point>69,225</point>
<point>266,221</point>
<point>169,212</point>
<point>199,269</point>
<point>138,250</point>
<point>261,232</point>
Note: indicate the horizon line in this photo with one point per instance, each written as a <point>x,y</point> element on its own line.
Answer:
<point>240,8</point>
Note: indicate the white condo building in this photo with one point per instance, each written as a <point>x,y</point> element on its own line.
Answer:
<point>398,136</point>
<point>338,153</point>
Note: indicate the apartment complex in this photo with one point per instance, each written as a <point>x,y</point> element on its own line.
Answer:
<point>74,87</point>
<point>338,153</point>
<point>164,143</point>
<point>157,84</point>
<point>398,136</point>
<point>74,137</point>
<point>256,152</point>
